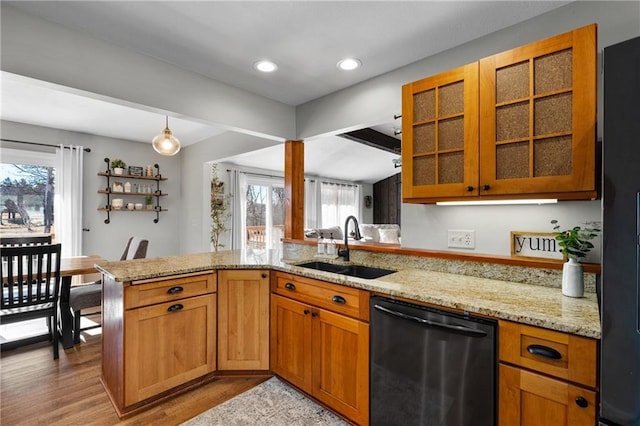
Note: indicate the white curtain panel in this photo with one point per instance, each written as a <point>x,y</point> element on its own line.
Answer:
<point>311,204</point>
<point>238,208</point>
<point>68,205</point>
<point>338,201</point>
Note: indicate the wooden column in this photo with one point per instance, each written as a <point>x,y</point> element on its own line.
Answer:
<point>294,189</point>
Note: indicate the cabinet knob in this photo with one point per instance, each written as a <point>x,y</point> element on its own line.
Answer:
<point>264,275</point>
<point>470,188</point>
<point>290,286</point>
<point>175,308</point>
<point>486,187</point>
<point>175,290</point>
<point>314,314</point>
<point>582,402</point>
<point>306,312</point>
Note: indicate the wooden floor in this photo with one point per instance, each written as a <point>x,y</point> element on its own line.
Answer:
<point>36,390</point>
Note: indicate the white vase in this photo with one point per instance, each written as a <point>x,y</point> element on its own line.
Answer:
<point>118,170</point>
<point>572,279</point>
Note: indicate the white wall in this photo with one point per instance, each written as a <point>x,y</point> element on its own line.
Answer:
<point>109,240</point>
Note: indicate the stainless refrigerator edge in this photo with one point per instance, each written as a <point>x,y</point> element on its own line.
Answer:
<point>620,291</point>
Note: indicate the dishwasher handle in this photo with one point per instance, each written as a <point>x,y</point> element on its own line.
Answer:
<point>454,328</point>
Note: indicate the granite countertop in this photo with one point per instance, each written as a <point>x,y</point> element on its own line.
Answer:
<point>525,303</point>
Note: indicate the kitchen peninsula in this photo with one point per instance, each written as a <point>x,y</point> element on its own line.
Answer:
<point>141,295</point>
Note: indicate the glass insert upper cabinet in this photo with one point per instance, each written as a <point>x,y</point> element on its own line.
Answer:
<point>523,127</point>
<point>538,118</point>
<point>440,135</point>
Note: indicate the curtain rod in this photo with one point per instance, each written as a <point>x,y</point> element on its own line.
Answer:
<point>40,144</point>
<point>256,174</point>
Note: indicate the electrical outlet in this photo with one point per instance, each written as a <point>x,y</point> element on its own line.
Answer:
<point>460,238</point>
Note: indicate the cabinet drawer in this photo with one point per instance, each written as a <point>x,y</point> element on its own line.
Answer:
<point>341,299</point>
<point>150,292</point>
<point>554,353</point>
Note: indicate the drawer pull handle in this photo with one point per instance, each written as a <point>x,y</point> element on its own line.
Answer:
<point>175,290</point>
<point>338,299</point>
<point>290,286</point>
<point>582,402</point>
<point>544,351</point>
<point>175,308</point>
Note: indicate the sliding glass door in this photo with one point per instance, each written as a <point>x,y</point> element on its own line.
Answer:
<point>263,212</point>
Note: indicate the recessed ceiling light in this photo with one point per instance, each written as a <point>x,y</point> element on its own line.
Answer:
<point>265,66</point>
<point>349,64</point>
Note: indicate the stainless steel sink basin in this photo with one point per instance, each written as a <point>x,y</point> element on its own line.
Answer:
<point>358,271</point>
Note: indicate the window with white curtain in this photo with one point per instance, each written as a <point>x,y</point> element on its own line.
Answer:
<point>338,202</point>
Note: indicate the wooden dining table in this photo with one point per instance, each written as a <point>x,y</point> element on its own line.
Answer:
<point>70,267</point>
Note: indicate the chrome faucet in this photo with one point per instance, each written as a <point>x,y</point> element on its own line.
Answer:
<point>344,252</point>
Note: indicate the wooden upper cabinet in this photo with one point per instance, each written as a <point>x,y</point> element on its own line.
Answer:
<point>518,124</point>
<point>538,118</point>
<point>440,135</point>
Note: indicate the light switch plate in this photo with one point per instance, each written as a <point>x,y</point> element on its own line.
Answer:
<point>461,238</point>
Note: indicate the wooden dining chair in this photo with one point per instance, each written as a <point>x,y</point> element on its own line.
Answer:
<point>31,286</point>
<point>25,241</point>
<point>85,296</point>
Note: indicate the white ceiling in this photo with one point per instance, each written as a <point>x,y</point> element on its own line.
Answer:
<point>222,39</point>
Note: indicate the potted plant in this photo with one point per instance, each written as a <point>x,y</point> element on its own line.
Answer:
<point>574,244</point>
<point>220,203</point>
<point>118,166</point>
<point>148,201</point>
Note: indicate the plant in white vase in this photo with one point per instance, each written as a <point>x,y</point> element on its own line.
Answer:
<point>118,166</point>
<point>574,244</point>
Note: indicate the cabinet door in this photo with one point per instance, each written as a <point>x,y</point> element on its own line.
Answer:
<point>538,117</point>
<point>530,399</point>
<point>340,353</point>
<point>290,341</point>
<point>440,136</point>
<point>167,345</point>
<point>243,320</point>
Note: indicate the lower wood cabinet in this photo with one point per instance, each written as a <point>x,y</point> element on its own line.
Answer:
<point>546,377</point>
<point>157,336</point>
<point>243,319</point>
<point>324,353</point>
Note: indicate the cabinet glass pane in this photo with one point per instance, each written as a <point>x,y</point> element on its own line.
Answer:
<point>512,160</point>
<point>553,72</point>
<point>512,121</point>
<point>424,106</point>
<point>424,138</point>
<point>451,133</point>
<point>451,99</point>
<point>552,157</point>
<point>552,114</point>
<point>451,168</point>
<point>424,170</point>
<point>512,82</point>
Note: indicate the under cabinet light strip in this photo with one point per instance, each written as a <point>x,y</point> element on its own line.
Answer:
<point>496,202</point>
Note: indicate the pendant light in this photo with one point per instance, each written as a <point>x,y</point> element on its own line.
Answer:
<point>165,143</point>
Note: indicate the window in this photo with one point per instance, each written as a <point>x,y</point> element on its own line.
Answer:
<point>27,182</point>
<point>338,202</point>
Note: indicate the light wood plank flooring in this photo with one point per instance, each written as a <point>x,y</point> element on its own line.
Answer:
<point>36,390</point>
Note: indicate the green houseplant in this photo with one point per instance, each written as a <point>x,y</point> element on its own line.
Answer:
<point>118,166</point>
<point>220,203</point>
<point>148,200</point>
<point>574,244</point>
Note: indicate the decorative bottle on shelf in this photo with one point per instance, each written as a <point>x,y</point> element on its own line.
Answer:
<point>127,187</point>
<point>331,245</point>
<point>321,244</point>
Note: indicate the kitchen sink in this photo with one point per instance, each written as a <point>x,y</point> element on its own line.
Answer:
<point>358,271</point>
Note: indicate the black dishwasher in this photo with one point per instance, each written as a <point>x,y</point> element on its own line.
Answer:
<point>430,367</point>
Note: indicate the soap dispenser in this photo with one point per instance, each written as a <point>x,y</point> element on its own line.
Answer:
<point>331,245</point>
<point>321,249</point>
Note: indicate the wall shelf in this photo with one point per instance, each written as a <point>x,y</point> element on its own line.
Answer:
<point>156,192</point>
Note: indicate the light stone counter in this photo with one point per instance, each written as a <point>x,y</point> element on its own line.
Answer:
<point>526,303</point>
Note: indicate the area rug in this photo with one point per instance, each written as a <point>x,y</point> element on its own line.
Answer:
<point>270,403</point>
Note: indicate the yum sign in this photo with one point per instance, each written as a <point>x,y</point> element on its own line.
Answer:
<point>535,244</point>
